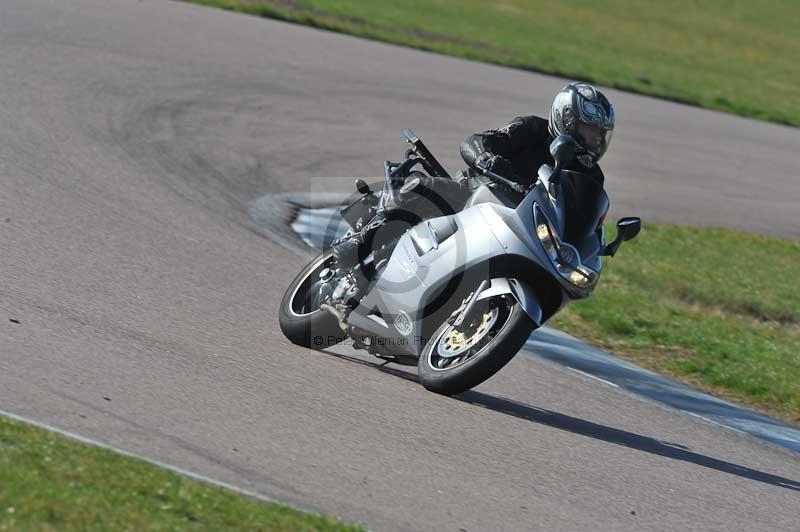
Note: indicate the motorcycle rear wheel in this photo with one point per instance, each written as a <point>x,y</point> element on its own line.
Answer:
<point>452,363</point>
<point>300,318</point>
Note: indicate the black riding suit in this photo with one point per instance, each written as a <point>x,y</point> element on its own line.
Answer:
<point>518,149</point>
<point>515,151</point>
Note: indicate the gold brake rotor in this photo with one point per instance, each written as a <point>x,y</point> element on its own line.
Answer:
<point>457,340</point>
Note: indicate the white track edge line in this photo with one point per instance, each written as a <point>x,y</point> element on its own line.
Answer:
<point>704,418</point>
<point>615,385</point>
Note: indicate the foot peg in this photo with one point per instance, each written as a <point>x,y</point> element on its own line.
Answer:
<point>338,314</point>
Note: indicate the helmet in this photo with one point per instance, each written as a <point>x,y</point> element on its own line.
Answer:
<point>582,112</point>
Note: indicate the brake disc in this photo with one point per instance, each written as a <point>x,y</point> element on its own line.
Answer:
<point>455,342</point>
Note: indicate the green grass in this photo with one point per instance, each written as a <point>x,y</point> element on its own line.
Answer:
<point>48,482</point>
<point>718,308</point>
<point>736,56</point>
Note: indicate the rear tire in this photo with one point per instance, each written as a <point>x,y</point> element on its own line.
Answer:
<point>490,357</point>
<point>308,327</point>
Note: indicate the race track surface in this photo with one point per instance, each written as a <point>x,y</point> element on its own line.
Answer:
<point>134,137</point>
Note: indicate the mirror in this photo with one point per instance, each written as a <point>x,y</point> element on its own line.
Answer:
<point>629,227</point>
<point>562,149</point>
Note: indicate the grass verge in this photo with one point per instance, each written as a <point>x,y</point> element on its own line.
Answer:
<point>48,482</point>
<point>716,308</point>
<point>736,56</point>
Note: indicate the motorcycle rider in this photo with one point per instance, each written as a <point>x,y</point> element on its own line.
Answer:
<point>515,151</point>
<point>518,149</point>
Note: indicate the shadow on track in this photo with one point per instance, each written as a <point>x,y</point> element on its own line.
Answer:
<point>591,430</point>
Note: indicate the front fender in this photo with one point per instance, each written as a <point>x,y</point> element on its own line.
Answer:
<point>522,292</point>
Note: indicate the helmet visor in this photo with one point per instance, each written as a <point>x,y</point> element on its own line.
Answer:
<point>593,138</point>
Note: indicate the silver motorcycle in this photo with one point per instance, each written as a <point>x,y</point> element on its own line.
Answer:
<point>457,295</point>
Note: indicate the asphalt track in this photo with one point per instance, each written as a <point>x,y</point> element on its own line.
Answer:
<point>134,137</point>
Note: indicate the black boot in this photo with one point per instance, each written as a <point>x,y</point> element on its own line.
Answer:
<point>350,251</point>
<point>346,250</point>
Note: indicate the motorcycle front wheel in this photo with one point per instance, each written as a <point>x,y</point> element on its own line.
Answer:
<point>300,317</point>
<point>459,358</point>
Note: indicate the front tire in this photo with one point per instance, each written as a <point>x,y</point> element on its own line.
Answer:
<point>447,367</point>
<point>301,320</point>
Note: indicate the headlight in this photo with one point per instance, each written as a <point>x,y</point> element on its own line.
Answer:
<point>543,232</point>
<point>547,235</point>
<point>564,257</point>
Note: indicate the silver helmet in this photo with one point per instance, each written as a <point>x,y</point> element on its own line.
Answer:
<point>582,112</point>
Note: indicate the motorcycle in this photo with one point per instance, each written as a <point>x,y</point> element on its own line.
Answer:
<point>457,295</point>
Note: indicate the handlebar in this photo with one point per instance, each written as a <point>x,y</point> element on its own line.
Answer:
<point>482,166</point>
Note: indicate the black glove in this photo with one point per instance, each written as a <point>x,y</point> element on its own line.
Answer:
<point>499,165</point>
